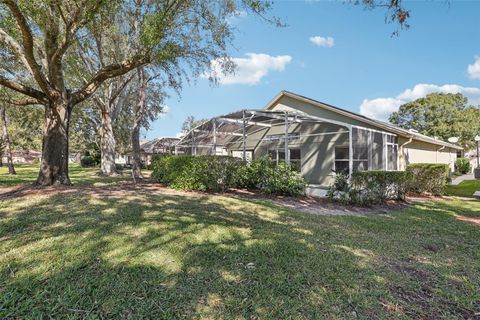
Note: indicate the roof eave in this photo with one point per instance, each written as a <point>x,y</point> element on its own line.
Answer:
<point>398,131</point>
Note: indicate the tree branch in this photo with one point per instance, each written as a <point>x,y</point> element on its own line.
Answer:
<point>119,90</point>
<point>110,71</point>
<point>24,102</point>
<point>28,46</point>
<point>8,40</point>
<point>28,91</point>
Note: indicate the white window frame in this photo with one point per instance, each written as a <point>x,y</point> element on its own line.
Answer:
<point>289,154</point>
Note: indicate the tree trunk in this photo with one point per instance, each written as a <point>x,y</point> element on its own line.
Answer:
<point>107,146</point>
<point>137,123</point>
<point>6,140</point>
<point>136,161</point>
<point>54,166</point>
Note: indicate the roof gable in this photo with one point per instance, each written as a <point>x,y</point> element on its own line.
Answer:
<point>349,117</point>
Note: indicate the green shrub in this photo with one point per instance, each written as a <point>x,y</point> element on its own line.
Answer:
<point>88,161</point>
<point>284,180</point>
<point>370,187</point>
<point>263,174</point>
<point>219,173</point>
<point>374,187</point>
<point>202,173</point>
<point>254,175</point>
<point>428,177</point>
<point>462,165</point>
<point>340,190</point>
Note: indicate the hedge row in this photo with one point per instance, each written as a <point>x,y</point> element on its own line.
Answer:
<point>376,187</point>
<point>219,173</point>
<point>202,173</point>
<point>380,186</point>
<point>428,178</point>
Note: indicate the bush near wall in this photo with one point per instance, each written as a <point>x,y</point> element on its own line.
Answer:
<point>463,166</point>
<point>202,173</point>
<point>376,187</point>
<point>265,175</point>
<point>380,186</point>
<point>370,187</point>
<point>428,178</point>
<point>218,173</point>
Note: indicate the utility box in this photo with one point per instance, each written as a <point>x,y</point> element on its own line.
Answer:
<point>476,173</point>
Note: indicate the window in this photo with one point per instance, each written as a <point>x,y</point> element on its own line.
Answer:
<point>392,154</point>
<point>239,154</point>
<point>295,157</point>
<point>372,150</point>
<point>341,159</point>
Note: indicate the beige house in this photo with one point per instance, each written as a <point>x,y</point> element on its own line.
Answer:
<point>163,145</point>
<point>318,139</point>
<point>23,156</point>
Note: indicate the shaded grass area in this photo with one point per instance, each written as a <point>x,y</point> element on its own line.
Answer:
<point>465,189</point>
<point>137,254</point>
<point>27,173</point>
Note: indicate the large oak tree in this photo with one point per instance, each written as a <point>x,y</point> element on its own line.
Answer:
<point>40,34</point>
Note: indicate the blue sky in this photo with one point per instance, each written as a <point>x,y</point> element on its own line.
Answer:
<point>361,67</point>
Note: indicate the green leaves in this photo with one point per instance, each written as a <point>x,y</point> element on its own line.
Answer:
<point>441,115</point>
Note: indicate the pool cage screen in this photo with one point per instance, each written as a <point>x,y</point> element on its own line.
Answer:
<point>374,150</point>
<point>364,148</point>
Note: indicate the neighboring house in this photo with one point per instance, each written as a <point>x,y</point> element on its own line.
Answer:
<point>74,157</point>
<point>163,145</point>
<point>320,139</point>
<point>24,156</point>
<point>472,157</point>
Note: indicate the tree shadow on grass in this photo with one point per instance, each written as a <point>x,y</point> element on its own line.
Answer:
<point>143,255</point>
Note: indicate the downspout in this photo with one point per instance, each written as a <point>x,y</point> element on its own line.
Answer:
<point>404,164</point>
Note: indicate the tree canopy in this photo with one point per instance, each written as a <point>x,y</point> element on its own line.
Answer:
<point>59,53</point>
<point>441,115</point>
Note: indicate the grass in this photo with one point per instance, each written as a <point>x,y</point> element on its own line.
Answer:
<point>101,252</point>
<point>464,189</point>
<point>78,175</point>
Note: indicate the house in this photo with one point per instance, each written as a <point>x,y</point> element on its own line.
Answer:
<point>163,145</point>
<point>22,156</point>
<point>318,139</point>
<point>472,157</point>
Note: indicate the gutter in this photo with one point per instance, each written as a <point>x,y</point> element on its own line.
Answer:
<point>400,147</point>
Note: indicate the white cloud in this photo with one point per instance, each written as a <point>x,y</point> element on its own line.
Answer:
<point>236,17</point>
<point>323,41</point>
<point>249,70</point>
<point>381,108</point>
<point>165,111</point>
<point>474,69</point>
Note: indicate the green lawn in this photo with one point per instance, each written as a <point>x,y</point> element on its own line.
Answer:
<point>78,175</point>
<point>464,189</point>
<point>103,252</point>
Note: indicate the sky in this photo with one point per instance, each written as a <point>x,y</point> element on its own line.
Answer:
<point>343,55</point>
